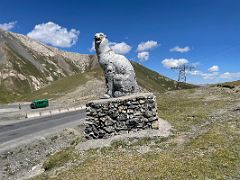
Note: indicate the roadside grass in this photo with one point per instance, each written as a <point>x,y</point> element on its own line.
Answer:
<point>212,154</point>
<point>184,112</point>
<point>60,158</point>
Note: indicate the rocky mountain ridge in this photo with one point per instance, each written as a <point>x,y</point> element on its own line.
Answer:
<point>27,65</point>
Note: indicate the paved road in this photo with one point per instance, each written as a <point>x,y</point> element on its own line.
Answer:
<point>18,130</point>
<point>11,112</point>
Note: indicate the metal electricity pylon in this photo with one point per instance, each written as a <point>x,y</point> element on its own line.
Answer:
<point>182,76</point>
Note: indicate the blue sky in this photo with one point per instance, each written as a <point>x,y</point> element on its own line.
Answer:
<point>172,32</point>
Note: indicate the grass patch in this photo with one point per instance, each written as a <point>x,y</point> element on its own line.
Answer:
<point>141,142</point>
<point>76,141</point>
<point>59,158</point>
<point>184,112</point>
<point>12,88</point>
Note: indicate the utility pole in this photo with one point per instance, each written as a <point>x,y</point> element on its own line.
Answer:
<point>182,76</point>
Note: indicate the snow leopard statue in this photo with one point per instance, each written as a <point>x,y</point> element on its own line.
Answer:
<point>119,73</point>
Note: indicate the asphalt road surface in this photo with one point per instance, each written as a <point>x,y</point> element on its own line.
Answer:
<point>18,130</point>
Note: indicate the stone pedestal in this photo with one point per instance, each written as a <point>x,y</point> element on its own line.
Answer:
<point>108,117</point>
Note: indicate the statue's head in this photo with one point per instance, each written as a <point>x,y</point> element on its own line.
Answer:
<point>101,41</point>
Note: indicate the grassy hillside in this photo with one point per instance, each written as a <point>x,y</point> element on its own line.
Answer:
<point>146,78</point>
<point>63,86</point>
<point>230,85</point>
<point>155,82</point>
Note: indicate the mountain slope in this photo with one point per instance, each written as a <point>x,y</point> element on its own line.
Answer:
<point>91,85</point>
<point>230,85</point>
<point>155,82</point>
<point>27,65</point>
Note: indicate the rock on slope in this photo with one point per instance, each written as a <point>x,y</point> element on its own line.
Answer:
<point>27,65</point>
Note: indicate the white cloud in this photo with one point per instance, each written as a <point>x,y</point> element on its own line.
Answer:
<point>170,63</point>
<point>8,26</point>
<point>148,45</point>
<point>179,49</point>
<point>214,74</point>
<point>51,33</point>
<point>120,48</point>
<point>228,75</point>
<point>211,75</point>
<point>194,73</point>
<point>143,56</point>
<point>214,68</point>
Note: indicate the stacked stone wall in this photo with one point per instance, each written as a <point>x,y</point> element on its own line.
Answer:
<point>108,117</point>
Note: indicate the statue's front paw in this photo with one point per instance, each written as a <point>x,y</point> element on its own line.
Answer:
<point>106,96</point>
<point>118,94</point>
